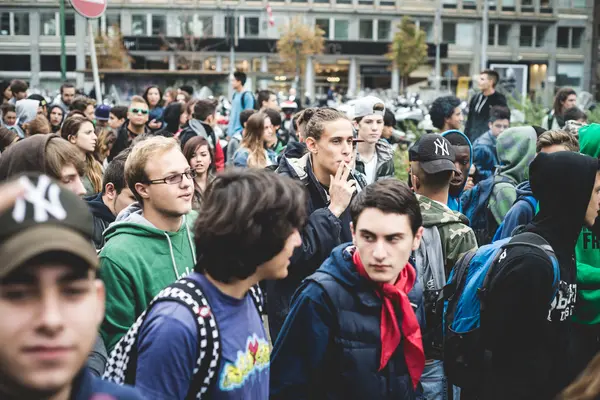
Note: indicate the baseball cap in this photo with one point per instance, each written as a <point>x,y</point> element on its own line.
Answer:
<point>47,218</point>
<point>434,153</point>
<point>366,106</point>
<point>102,112</point>
<point>39,98</point>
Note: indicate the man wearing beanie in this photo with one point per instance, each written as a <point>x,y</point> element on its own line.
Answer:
<point>528,311</point>
<point>51,302</point>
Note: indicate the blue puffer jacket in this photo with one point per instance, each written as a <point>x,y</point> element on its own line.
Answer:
<point>521,213</point>
<point>485,157</point>
<point>330,344</point>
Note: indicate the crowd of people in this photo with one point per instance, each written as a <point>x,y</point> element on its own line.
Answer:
<point>145,256</point>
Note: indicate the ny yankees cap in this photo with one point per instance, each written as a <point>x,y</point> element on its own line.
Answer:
<point>368,105</point>
<point>434,153</point>
<point>47,218</point>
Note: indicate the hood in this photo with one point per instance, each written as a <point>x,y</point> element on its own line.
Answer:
<point>562,182</point>
<point>470,155</point>
<point>26,156</point>
<point>98,208</point>
<point>294,150</point>
<point>516,149</point>
<point>202,129</point>
<point>294,167</point>
<point>339,265</point>
<point>26,110</point>
<point>524,189</point>
<point>589,140</point>
<point>435,213</point>
<point>171,116</point>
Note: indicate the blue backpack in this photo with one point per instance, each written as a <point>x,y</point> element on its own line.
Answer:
<point>532,201</point>
<point>474,204</point>
<point>466,356</point>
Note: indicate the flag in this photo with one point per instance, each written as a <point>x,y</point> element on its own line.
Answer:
<point>270,15</point>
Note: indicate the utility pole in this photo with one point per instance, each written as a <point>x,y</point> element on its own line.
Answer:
<point>233,27</point>
<point>485,27</point>
<point>63,47</point>
<point>438,41</point>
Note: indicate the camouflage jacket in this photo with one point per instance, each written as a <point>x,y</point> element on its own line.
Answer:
<point>456,235</point>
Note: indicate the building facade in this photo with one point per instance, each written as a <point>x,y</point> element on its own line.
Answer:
<point>536,45</point>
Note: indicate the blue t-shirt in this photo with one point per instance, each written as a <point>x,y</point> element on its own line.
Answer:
<point>168,348</point>
<point>236,109</point>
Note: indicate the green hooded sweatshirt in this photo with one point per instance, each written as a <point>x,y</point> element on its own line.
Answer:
<point>587,250</point>
<point>136,263</point>
<point>457,237</point>
<point>516,150</point>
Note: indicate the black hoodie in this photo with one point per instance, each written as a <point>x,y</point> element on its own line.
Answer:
<point>103,217</point>
<point>529,329</point>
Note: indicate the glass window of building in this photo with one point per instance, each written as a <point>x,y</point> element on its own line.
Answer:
<point>427,27</point>
<point>508,4</point>
<point>465,33</point>
<point>540,36</point>
<point>113,24</point>
<point>449,32</point>
<point>251,26</point>
<point>384,29</point>
<point>577,38</point>
<point>323,23</point>
<point>70,24</point>
<point>579,3</point>
<point>230,28</point>
<point>48,24</point>
<point>21,21</point>
<point>5,23</point>
<point>527,3</point>
<point>138,25</point>
<point>503,34</point>
<point>365,30</point>
<point>321,1</point>
<point>569,75</point>
<point>299,1</point>
<point>341,29</point>
<point>526,37</point>
<point>361,2</point>
<point>159,25</point>
<point>492,35</point>
<point>562,37</point>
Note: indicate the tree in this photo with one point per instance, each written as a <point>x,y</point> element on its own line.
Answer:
<point>111,51</point>
<point>297,42</point>
<point>408,49</point>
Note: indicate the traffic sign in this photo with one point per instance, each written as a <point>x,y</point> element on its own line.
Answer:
<point>90,8</point>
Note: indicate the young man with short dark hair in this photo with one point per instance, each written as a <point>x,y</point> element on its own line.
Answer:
<point>67,94</point>
<point>19,90</point>
<point>267,99</point>
<point>485,156</point>
<point>446,114</point>
<point>115,197</point>
<point>327,174</point>
<point>203,119</point>
<point>50,298</point>
<point>150,245</point>
<point>374,156</point>
<point>134,125</point>
<point>169,351</point>
<point>117,117</point>
<point>482,103</point>
<point>241,101</point>
<point>353,331</point>
<point>84,105</point>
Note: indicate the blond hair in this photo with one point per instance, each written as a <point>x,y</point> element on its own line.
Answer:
<point>557,137</point>
<point>254,142</point>
<point>141,154</point>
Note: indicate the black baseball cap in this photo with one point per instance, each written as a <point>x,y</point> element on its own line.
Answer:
<point>47,218</point>
<point>434,153</point>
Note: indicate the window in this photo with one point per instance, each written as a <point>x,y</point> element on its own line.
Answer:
<point>449,4</point>
<point>503,34</point>
<point>465,34</point>
<point>4,24</point>
<point>508,5</point>
<point>324,25</point>
<point>562,37</point>
<point>341,29</point>
<point>299,1</point>
<point>194,25</point>
<point>321,1</point>
<point>384,29</point>
<point>365,30</point>
<point>361,2</point>
<point>491,35</point>
<point>569,75</point>
<point>21,21</point>
<point>230,28</point>
<point>449,33</point>
<point>251,27</point>
<point>469,5</point>
<point>570,38</point>
<point>138,25</point>
<point>526,38</point>
<point>526,5</point>
<point>70,24</point>
<point>159,25</point>
<point>579,3</point>
<point>349,2</point>
<point>577,38</point>
<point>113,24</point>
<point>48,24</point>
<point>427,27</point>
<point>540,36</point>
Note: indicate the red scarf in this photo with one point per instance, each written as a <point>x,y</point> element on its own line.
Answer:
<point>391,333</point>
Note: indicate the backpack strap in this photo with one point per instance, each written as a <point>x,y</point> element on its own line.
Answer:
<point>532,201</point>
<point>258,299</point>
<point>122,363</point>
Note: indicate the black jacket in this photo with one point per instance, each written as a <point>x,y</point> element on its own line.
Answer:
<point>529,328</point>
<point>330,345</point>
<point>479,113</point>
<point>321,234</point>
<point>102,218</point>
<point>123,141</point>
<point>194,128</point>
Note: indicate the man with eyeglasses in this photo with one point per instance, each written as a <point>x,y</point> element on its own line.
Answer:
<point>150,245</point>
<point>485,157</point>
<point>134,125</point>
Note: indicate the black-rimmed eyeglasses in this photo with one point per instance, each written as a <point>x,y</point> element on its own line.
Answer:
<point>174,179</point>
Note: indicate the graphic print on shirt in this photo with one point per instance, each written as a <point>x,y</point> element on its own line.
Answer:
<point>563,304</point>
<point>254,358</point>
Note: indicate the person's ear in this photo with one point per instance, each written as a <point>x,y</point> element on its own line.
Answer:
<point>417,238</point>
<point>72,139</point>
<point>110,191</point>
<point>311,145</point>
<point>490,125</point>
<point>142,190</point>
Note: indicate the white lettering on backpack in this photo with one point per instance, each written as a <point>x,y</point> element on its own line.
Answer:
<point>563,304</point>
<point>42,205</point>
<point>442,146</point>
